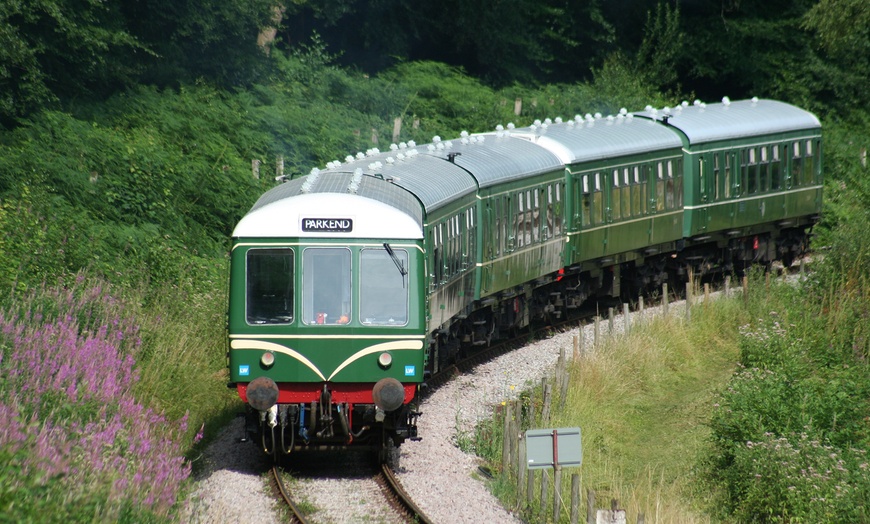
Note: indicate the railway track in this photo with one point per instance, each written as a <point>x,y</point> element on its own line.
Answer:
<point>358,482</point>
<point>296,514</point>
<point>399,498</point>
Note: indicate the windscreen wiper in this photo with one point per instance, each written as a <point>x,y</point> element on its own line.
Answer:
<point>399,265</point>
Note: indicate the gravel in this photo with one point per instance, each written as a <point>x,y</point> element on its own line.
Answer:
<point>442,480</point>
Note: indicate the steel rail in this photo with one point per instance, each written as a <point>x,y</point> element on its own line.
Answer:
<point>296,514</point>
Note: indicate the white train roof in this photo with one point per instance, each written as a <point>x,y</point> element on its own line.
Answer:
<point>728,120</point>
<point>325,215</point>
<point>590,139</point>
<point>400,188</point>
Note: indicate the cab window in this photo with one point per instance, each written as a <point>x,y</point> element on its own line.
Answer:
<point>383,296</point>
<point>269,286</point>
<point>326,285</point>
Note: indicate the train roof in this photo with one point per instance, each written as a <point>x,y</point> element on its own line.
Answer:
<point>494,159</point>
<point>587,140</point>
<point>373,188</point>
<point>728,120</point>
<point>337,215</point>
<point>421,179</point>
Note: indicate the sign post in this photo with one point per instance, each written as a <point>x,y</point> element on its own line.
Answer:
<point>554,448</point>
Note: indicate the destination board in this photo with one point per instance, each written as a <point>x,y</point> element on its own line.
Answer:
<point>327,225</point>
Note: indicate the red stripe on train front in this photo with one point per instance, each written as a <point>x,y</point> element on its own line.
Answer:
<point>341,392</point>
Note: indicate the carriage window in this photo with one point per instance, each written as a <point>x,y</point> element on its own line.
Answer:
<point>497,240</point>
<point>534,214</point>
<point>383,289</point>
<point>702,178</point>
<point>752,173</point>
<point>678,182</point>
<point>660,187</point>
<point>557,211</point>
<point>269,286</point>
<point>796,164</point>
<point>597,201</point>
<point>636,193</point>
<point>763,170</point>
<point>625,199</point>
<point>727,175</point>
<point>548,214</point>
<point>586,212</point>
<point>326,285</point>
<point>614,200</point>
<point>717,192</point>
<point>520,221</point>
<point>669,190</point>
<point>808,163</point>
<point>775,169</point>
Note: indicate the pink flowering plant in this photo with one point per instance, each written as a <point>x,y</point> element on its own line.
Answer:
<point>74,442</point>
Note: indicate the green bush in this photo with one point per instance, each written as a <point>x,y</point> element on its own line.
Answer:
<point>790,432</point>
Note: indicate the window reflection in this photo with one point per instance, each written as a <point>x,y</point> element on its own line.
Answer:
<point>269,286</point>
<point>326,282</point>
<point>383,288</point>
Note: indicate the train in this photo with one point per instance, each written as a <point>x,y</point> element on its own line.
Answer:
<point>350,286</point>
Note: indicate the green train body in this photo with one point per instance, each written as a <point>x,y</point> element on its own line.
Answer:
<point>350,285</point>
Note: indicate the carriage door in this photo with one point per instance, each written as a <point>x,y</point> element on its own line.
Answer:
<point>703,193</point>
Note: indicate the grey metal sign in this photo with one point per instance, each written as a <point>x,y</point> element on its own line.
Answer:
<point>548,448</point>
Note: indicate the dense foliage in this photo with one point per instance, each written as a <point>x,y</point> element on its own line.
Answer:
<point>130,132</point>
<point>791,432</point>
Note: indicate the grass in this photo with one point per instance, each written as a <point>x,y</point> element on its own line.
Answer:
<point>643,403</point>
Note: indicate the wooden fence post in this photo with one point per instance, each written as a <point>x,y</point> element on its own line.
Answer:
<point>597,330</point>
<point>530,488</point>
<point>521,471</point>
<point>626,318</point>
<point>557,492</point>
<point>590,506</point>
<point>665,298</point>
<point>545,488</point>
<point>689,299</point>
<point>575,498</point>
<point>545,411</point>
<point>727,286</point>
<point>506,449</point>
<point>563,378</point>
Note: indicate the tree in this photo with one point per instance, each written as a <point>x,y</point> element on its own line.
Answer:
<point>215,40</point>
<point>51,49</point>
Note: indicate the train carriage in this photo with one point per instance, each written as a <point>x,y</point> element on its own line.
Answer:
<point>328,309</point>
<point>350,285</point>
<point>753,171</point>
<point>625,189</point>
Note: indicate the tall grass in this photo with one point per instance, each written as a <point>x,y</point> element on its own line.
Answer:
<point>642,402</point>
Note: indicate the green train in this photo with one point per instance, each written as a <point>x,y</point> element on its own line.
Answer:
<point>351,285</point>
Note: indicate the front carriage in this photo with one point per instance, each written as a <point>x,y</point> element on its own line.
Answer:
<point>327,318</point>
